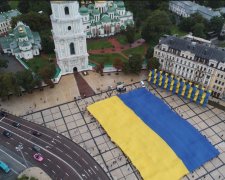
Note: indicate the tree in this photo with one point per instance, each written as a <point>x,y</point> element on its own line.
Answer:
<point>216,24</point>
<point>130,33</point>
<point>4,6</point>
<point>157,24</point>
<point>186,24</point>
<point>26,80</point>
<point>134,64</point>
<point>47,43</point>
<point>198,30</point>
<point>23,6</point>
<point>153,63</point>
<point>8,85</point>
<point>99,68</point>
<point>149,52</point>
<point>47,73</point>
<point>118,64</point>
<point>3,63</point>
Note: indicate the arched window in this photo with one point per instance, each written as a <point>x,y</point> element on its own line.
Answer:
<point>72,50</point>
<point>66,9</point>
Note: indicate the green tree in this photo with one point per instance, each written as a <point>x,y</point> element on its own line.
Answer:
<point>47,73</point>
<point>186,24</point>
<point>4,6</point>
<point>130,33</point>
<point>3,63</point>
<point>23,6</point>
<point>157,24</point>
<point>99,68</point>
<point>134,64</point>
<point>198,30</point>
<point>216,24</point>
<point>47,43</point>
<point>118,64</point>
<point>26,80</point>
<point>149,52</point>
<point>153,63</point>
<point>9,85</point>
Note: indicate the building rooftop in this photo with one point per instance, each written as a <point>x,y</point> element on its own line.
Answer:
<point>200,50</point>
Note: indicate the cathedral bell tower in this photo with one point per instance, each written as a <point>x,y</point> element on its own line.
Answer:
<point>69,36</point>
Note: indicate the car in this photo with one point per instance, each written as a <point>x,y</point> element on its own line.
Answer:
<point>16,124</point>
<point>36,148</point>
<point>4,167</point>
<point>7,134</point>
<point>142,84</point>
<point>38,157</point>
<point>121,89</point>
<point>36,133</point>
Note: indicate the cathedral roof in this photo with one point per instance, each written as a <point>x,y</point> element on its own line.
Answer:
<point>91,6</point>
<point>111,9</point>
<point>120,4</point>
<point>105,18</point>
<point>96,11</point>
<point>83,10</point>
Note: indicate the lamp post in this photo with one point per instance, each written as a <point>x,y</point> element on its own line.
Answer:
<point>19,148</point>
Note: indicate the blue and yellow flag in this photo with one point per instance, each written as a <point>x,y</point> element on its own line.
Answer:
<point>160,144</point>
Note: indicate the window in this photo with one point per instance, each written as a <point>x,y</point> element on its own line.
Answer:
<point>69,28</point>
<point>216,81</point>
<point>66,9</point>
<point>218,75</point>
<point>72,50</point>
<point>222,83</point>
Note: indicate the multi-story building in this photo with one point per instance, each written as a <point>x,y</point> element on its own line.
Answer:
<point>21,42</point>
<point>186,8</point>
<point>5,20</point>
<point>105,18</point>
<point>194,61</point>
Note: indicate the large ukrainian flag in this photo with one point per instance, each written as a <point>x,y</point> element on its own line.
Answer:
<point>159,143</point>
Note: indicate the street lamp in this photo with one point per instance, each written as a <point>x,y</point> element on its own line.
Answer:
<point>19,148</point>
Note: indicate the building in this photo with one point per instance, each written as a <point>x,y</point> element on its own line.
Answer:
<point>69,36</point>
<point>21,42</point>
<point>196,62</point>
<point>186,8</point>
<point>5,20</point>
<point>105,18</point>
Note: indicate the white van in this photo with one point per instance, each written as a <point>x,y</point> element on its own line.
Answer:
<point>142,84</point>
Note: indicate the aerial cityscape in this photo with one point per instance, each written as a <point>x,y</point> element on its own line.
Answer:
<point>121,90</point>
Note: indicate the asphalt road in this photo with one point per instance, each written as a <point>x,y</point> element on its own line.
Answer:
<point>63,159</point>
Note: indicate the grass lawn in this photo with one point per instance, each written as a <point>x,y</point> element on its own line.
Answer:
<point>13,4</point>
<point>137,50</point>
<point>123,40</point>
<point>176,30</point>
<point>98,44</point>
<point>37,63</point>
<point>107,59</point>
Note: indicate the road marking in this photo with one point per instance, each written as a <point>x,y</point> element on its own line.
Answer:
<point>77,163</point>
<point>85,161</point>
<point>67,146</point>
<point>45,165</point>
<point>76,153</point>
<point>59,149</point>
<point>12,138</point>
<point>58,166</point>
<point>49,160</point>
<point>26,153</point>
<point>96,167</point>
<point>69,156</point>
<point>14,171</point>
<point>13,158</point>
<point>89,171</point>
<point>48,152</point>
<point>93,170</point>
<point>7,143</point>
<point>67,174</point>
<point>59,137</point>
<point>53,171</point>
<point>30,148</point>
<point>2,119</point>
<point>86,172</point>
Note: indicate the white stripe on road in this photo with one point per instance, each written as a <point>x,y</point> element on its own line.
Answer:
<point>7,143</point>
<point>58,166</point>
<point>2,119</point>
<point>14,171</point>
<point>48,152</point>
<point>69,156</point>
<point>13,158</point>
<point>77,163</point>
<point>76,153</point>
<point>93,170</point>
<point>67,146</point>
<point>45,165</point>
<point>85,161</point>
<point>67,174</point>
<point>59,149</point>
<point>49,160</point>
<point>53,171</point>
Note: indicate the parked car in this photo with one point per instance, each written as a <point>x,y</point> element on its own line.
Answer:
<point>16,124</point>
<point>36,133</point>
<point>121,89</point>
<point>3,114</point>
<point>36,148</point>
<point>38,157</point>
<point>7,134</point>
<point>4,167</point>
<point>142,84</point>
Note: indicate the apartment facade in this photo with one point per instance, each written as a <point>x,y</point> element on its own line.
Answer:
<point>195,62</point>
<point>186,8</point>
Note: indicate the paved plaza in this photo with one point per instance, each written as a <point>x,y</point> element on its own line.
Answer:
<point>72,120</point>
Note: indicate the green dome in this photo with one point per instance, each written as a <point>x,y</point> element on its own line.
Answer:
<point>83,10</point>
<point>96,11</point>
<point>120,4</point>
<point>105,19</point>
<point>90,6</point>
